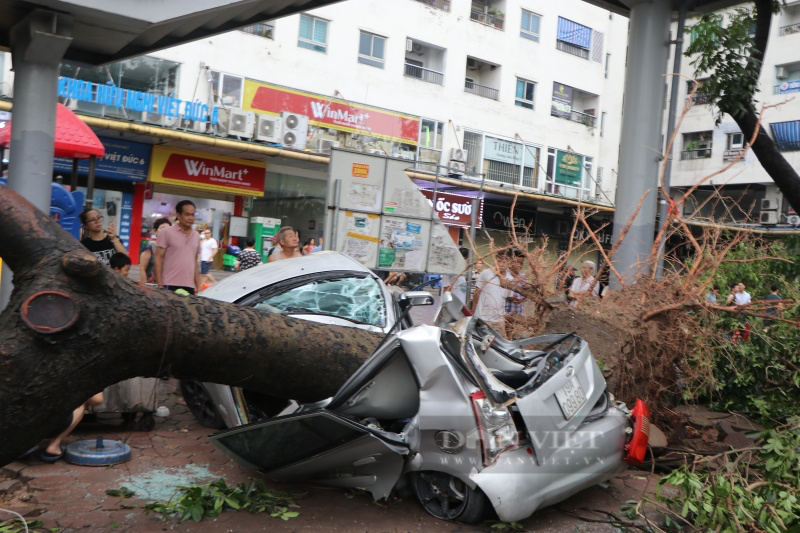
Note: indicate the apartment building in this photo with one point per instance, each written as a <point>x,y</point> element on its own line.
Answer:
<point>749,196</point>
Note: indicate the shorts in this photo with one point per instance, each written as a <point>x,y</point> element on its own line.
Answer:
<point>205,266</point>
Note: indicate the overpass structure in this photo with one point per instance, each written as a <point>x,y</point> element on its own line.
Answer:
<point>42,33</point>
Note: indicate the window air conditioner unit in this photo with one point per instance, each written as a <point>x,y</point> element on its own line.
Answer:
<point>768,217</point>
<point>769,204</point>
<point>240,123</point>
<point>793,220</point>
<point>458,154</point>
<point>457,168</point>
<point>781,73</point>
<point>268,129</point>
<point>294,130</point>
<point>325,145</point>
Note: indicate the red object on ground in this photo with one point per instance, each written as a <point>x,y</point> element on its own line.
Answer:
<point>73,138</point>
<point>637,447</point>
<point>746,335</point>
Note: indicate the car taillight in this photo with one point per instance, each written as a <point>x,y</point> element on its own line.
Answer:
<point>637,446</point>
<point>496,427</point>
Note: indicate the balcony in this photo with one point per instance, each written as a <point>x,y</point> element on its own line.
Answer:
<point>424,74</point>
<point>444,5</point>
<point>790,29</point>
<point>700,99</point>
<point>731,155</point>
<point>261,29</point>
<point>485,18</point>
<point>481,90</point>
<point>698,153</point>
<point>584,118</point>
<point>583,53</point>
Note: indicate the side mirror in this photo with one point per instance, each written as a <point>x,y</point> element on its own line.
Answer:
<point>415,298</point>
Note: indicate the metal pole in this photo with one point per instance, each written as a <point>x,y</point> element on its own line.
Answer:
<point>73,179</point>
<point>89,202</point>
<point>640,144</point>
<point>671,119</point>
<point>473,224</point>
<point>38,43</point>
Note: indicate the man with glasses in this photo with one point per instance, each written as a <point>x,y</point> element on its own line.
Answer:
<point>177,251</point>
<point>208,249</point>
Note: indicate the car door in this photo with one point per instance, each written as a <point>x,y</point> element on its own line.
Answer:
<point>318,447</point>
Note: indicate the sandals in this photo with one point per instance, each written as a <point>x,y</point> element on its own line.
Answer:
<point>48,457</point>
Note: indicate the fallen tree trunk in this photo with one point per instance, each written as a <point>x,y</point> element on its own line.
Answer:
<point>74,327</point>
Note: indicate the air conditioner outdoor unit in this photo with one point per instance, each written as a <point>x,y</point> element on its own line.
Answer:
<point>458,154</point>
<point>781,73</point>
<point>457,168</point>
<point>268,129</point>
<point>325,145</point>
<point>417,48</point>
<point>376,151</point>
<point>793,220</point>
<point>769,204</point>
<point>153,118</point>
<point>240,123</point>
<point>472,64</point>
<point>294,130</point>
<point>768,217</point>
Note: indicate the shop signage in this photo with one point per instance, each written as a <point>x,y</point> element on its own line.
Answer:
<point>124,161</point>
<point>504,151</point>
<point>454,209</point>
<point>113,96</point>
<point>204,171</point>
<point>499,217</point>
<point>569,169</point>
<point>562,100</point>
<point>331,112</point>
<point>789,87</point>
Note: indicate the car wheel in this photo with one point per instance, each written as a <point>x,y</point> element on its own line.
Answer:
<point>200,404</point>
<point>448,498</point>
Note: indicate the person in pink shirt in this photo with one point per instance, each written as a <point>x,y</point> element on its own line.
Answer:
<point>177,249</point>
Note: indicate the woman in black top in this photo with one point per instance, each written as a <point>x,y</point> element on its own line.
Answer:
<point>103,243</point>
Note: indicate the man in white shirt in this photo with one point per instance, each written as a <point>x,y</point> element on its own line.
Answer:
<point>490,300</point>
<point>741,297</point>
<point>208,249</point>
<point>582,285</point>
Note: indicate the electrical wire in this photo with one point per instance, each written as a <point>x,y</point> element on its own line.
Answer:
<point>21,518</point>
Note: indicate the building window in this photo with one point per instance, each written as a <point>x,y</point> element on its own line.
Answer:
<point>473,144</point>
<point>602,123</point>
<point>608,62</point>
<point>371,49</point>
<point>735,141</point>
<point>573,38</point>
<point>227,89</point>
<point>526,91</point>
<point>262,29</point>
<point>696,145</point>
<point>530,26</point>
<point>431,135</point>
<point>313,33</point>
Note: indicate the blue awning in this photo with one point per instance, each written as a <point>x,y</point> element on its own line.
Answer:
<point>786,135</point>
<point>574,33</point>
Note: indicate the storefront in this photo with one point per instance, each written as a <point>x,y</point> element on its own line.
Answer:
<point>455,211</point>
<point>218,185</point>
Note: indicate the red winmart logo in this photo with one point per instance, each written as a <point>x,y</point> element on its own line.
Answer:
<point>206,170</point>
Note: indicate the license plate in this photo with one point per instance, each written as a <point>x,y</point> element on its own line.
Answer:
<point>571,397</point>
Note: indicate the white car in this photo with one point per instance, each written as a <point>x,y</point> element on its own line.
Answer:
<point>326,287</point>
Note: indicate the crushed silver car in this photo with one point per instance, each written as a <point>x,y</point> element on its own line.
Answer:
<point>474,423</point>
<point>326,287</point>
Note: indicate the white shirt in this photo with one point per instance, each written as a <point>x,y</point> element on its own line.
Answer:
<point>581,285</point>
<point>742,298</point>
<point>207,246</point>
<point>491,305</point>
<point>459,288</point>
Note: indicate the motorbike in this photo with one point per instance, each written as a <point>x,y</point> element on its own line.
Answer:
<point>471,422</point>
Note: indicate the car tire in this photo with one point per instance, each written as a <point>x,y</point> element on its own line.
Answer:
<point>447,497</point>
<point>201,405</point>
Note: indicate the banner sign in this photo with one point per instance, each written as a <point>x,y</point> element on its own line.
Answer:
<point>110,95</point>
<point>562,100</point>
<point>124,161</point>
<point>503,151</point>
<point>569,169</point>
<point>454,209</point>
<point>499,217</point>
<point>789,87</point>
<point>209,172</point>
<point>331,112</point>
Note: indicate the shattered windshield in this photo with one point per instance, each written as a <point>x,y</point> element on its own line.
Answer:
<point>356,299</point>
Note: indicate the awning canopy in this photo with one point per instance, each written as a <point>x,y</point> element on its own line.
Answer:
<point>786,135</point>
<point>74,139</point>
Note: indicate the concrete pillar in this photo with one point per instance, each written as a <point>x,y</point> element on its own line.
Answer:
<point>641,142</point>
<point>38,43</point>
